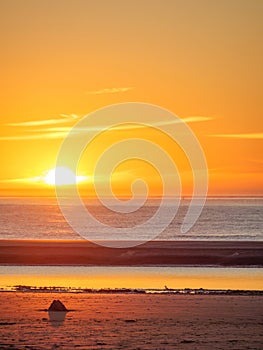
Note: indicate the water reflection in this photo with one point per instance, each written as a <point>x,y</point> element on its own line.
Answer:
<point>57,318</point>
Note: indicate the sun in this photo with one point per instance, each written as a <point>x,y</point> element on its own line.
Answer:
<point>61,176</point>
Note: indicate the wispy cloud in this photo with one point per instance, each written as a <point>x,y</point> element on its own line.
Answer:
<point>64,118</point>
<point>127,126</point>
<point>39,129</point>
<point>113,90</point>
<point>165,122</point>
<point>38,136</point>
<point>195,119</point>
<point>252,136</point>
<point>41,180</point>
<point>58,128</point>
<point>36,179</point>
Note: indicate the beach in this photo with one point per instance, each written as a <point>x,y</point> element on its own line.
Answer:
<point>117,321</point>
<point>131,187</point>
<point>126,298</point>
<point>198,292</point>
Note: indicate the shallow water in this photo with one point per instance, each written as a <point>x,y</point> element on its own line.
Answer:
<point>132,277</point>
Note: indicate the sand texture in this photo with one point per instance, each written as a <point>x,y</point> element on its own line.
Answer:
<point>131,322</point>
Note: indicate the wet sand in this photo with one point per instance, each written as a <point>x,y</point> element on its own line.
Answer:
<point>185,253</point>
<point>131,322</point>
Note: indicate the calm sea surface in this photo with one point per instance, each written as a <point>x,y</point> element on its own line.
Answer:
<point>221,219</point>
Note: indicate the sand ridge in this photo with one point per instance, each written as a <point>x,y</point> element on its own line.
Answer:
<point>171,253</point>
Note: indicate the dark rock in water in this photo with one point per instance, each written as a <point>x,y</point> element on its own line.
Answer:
<point>57,305</point>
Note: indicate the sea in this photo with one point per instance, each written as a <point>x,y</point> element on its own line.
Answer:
<point>222,219</point>
<point>238,219</point>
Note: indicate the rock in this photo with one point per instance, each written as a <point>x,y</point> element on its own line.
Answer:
<point>57,305</point>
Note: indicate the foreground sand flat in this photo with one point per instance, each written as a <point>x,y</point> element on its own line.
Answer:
<point>131,322</point>
<point>221,253</point>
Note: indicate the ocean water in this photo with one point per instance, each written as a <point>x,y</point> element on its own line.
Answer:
<point>227,219</point>
<point>221,219</point>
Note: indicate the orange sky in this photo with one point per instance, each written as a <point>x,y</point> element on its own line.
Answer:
<point>202,59</point>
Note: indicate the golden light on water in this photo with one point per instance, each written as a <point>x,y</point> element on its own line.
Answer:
<point>132,277</point>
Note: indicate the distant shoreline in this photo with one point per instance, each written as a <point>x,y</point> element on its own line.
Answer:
<point>168,291</point>
<point>154,253</point>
